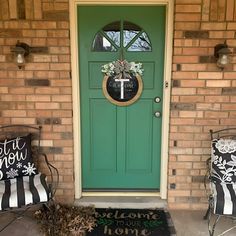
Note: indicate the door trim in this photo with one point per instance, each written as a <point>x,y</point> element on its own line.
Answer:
<point>76,91</point>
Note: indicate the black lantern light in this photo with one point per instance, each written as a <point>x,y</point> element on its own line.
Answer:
<point>21,50</point>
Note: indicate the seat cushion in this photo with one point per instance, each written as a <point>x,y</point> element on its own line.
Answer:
<point>224,197</point>
<point>23,190</point>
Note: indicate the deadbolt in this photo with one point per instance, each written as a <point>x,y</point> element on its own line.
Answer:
<point>157,114</point>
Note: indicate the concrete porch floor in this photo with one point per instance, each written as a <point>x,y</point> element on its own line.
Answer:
<point>187,223</point>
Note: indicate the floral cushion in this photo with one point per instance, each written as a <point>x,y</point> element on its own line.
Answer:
<point>16,158</point>
<point>224,161</point>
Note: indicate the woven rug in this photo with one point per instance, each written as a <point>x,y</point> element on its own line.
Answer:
<point>133,222</point>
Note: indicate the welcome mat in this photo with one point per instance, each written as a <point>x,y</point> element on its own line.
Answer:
<point>132,222</point>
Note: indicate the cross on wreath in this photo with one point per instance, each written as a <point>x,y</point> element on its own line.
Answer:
<point>121,72</point>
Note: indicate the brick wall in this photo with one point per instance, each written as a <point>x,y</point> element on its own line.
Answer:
<point>203,96</point>
<point>40,93</point>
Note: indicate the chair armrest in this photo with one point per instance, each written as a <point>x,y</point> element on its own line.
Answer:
<point>54,174</point>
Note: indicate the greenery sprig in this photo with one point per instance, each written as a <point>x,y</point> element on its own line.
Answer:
<point>122,69</point>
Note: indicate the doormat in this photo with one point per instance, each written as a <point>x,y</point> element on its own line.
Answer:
<point>132,222</point>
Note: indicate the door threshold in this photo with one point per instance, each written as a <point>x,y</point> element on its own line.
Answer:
<point>131,202</point>
<point>121,194</point>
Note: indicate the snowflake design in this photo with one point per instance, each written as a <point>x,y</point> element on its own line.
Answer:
<point>29,170</point>
<point>226,145</point>
<point>19,165</point>
<point>12,173</point>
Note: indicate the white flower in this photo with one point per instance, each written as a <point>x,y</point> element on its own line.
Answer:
<point>30,169</point>
<point>226,145</point>
<point>12,173</point>
<point>121,66</point>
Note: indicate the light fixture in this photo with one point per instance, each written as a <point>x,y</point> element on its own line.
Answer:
<point>221,54</point>
<point>21,50</point>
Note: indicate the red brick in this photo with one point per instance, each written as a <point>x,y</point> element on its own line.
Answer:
<point>230,10</point>
<point>60,66</point>
<point>188,8</point>
<point>229,107</point>
<point>189,114</point>
<point>193,83</point>
<point>227,121</point>
<point>221,34</point>
<point>183,91</point>
<point>10,113</point>
<point>47,91</point>
<point>218,83</point>
<point>187,26</point>
<point>61,113</point>
<point>194,98</point>
<point>193,67</point>
<point>195,51</point>
<point>213,114</point>
<point>25,120</point>
<point>207,91</point>
<point>231,26</point>
<point>43,24</point>
<point>182,121</point>
<point>208,106</point>
<point>207,121</point>
<point>37,66</point>
<point>206,10</point>
<point>184,75</point>
<point>210,75</point>
<point>47,105</point>
<point>21,90</point>
<point>213,26</point>
<point>217,98</point>
<point>38,98</point>
<point>187,17</point>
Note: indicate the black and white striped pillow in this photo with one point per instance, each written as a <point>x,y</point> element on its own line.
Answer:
<point>22,191</point>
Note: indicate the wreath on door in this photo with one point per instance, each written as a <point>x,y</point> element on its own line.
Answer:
<point>122,83</point>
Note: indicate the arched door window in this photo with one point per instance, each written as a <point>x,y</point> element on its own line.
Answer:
<point>121,35</point>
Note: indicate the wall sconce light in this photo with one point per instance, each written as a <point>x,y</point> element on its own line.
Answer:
<point>222,55</point>
<point>21,50</point>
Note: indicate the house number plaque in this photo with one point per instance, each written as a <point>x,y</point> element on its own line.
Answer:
<point>122,91</point>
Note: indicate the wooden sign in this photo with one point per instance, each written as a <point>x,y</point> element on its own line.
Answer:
<point>122,92</point>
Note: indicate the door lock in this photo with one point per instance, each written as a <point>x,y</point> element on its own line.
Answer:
<point>157,114</point>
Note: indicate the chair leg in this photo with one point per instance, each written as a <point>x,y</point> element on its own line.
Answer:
<point>211,229</point>
<point>205,217</point>
<point>51,208</point>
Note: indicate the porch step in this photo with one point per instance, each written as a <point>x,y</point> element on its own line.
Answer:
<point>122,202</point>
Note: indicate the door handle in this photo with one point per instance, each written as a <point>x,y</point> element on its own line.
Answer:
<point>157,114</point>
<point>157,99</point>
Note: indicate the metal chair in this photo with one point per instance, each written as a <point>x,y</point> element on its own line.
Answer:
<point>221,175</point>
<point>27,178</point>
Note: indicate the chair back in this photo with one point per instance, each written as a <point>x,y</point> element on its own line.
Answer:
<point>223,156</point>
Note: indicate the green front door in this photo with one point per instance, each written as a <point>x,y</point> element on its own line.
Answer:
<point>121,145</point>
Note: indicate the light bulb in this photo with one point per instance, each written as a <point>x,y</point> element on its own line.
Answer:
<point>20,58</point>
<point>223,60</point>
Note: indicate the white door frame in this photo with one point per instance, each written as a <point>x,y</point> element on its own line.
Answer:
<point>76,92</point>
